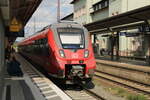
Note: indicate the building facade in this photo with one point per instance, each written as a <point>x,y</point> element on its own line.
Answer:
<point>87,11</point>
<point>131,42</point>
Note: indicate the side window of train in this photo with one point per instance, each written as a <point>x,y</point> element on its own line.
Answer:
<point>40,46</point>
<point>33,48</point>
<point>36,42</point>
<point>45,41</point>
<point>37,47</point>
<point>30,48</point>
<point>46,47</point>
<point>36,50</point>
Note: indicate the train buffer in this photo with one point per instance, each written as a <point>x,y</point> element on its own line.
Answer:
<point>31,86</point>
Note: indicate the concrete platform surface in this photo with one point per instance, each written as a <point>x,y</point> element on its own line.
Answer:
<point>124,65</point>
<point>32,86</point>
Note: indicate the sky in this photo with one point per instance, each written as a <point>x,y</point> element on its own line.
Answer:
<point>46,14</point>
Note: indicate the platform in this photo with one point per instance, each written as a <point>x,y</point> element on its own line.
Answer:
<point>32,86</point>
<point>129,60</point>
<point>124,65</point>
<point>136,73</point>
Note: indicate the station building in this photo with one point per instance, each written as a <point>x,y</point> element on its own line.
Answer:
<point>88,11</point>
<point>132,42</point>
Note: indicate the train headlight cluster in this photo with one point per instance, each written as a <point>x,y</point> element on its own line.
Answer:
<point>86,53</point>
<point>62,54</point>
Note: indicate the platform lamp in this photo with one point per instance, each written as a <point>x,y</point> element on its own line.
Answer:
<point>148,21</point>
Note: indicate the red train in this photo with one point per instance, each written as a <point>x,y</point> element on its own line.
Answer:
<point>63,49</point>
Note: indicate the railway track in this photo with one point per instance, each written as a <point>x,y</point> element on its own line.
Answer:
<point>95,95</point>
<point>82,94</point>
<point>129,84</point>
<point>79,95</point>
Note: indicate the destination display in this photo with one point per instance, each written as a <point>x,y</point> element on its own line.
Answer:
<point>76,30</point>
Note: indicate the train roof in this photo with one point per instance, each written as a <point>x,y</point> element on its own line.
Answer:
<point>67,23</point>
<point>43,31</point>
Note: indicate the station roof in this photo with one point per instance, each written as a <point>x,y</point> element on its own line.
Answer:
<point>68,17</point>
<point>137,16</point>
<point>21,9</point>
<point>74,1</point>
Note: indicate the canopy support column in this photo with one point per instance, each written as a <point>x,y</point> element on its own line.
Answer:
<point>117,46</point>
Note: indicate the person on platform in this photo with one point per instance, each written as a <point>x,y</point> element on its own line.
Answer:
<point>13,68</point>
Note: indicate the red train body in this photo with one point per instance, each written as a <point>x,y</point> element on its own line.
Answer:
<point>64,50</point>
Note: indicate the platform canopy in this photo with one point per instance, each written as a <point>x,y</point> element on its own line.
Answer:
<point>15,15</point>
<point>22,10</point>
<point>122,21</point>
<point>73,1</point>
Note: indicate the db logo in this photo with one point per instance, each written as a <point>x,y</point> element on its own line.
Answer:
<point>75,56</point>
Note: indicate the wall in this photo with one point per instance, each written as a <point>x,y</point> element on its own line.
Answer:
<point>128,5</point>
<point>83,8</point>
<point>88,8</point>
<point>114,7</point>
<point>121,6</point>
<point>1,44</point>
<point>1,55</point>
<point>100,15</point>
<point>80,11</point>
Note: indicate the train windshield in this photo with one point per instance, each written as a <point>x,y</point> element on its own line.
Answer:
<point>71,38</point>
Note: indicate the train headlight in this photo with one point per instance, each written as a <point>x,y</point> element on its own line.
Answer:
<point>86,53</point>
<point>62,54</point>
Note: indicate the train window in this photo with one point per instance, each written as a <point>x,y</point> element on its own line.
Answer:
<point>36,42</point>
<point>45,48</point>
<point>35,49</point>
<point>41,41</point>
<point>39,47</point>
<point>100,5</point>
<point>45,41</point>
<point>72,38</point>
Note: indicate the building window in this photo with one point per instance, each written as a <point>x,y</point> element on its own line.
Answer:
<point>100,5</point>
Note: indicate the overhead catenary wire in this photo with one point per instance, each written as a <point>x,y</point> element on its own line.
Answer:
<point>45,4</point>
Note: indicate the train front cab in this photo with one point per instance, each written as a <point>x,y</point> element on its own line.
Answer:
<point>74,56</point>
